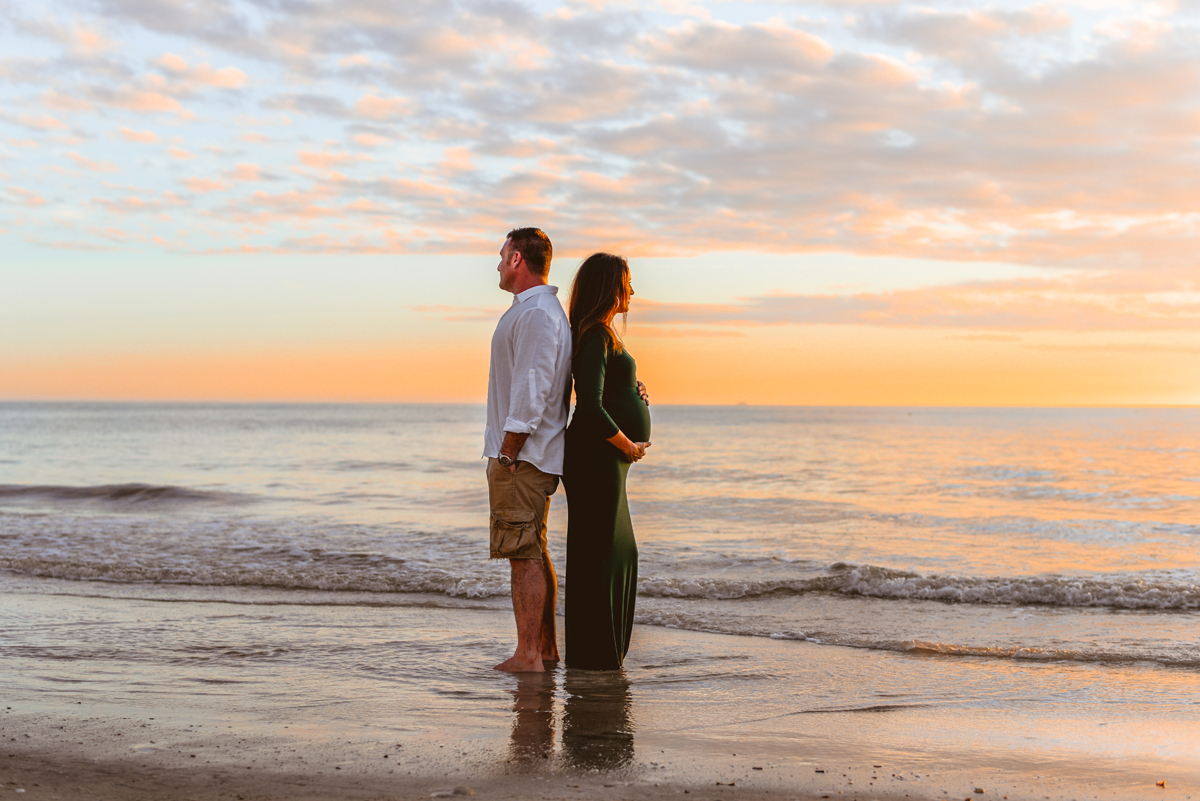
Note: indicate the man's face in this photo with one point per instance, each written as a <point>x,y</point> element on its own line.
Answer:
<point>510,261</point>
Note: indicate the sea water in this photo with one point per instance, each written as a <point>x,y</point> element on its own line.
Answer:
<point>1026,534</point>
<point>1015,588</point>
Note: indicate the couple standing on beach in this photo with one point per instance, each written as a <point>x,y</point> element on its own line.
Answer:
<point>536,352</point>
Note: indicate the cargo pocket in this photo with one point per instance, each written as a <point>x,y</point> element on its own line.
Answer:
<point>515,534</point>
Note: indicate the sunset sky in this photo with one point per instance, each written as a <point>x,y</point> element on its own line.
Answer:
<point>945,203</point>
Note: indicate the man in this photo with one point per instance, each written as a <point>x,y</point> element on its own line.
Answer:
<point>529,385</point>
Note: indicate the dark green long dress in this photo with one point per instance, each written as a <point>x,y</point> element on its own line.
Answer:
<point>601,551</point>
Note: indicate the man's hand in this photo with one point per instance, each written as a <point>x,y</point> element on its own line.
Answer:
<point>645,396</point>
<point>513,442</point>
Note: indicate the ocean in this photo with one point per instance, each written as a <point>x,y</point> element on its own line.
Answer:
<point>995,560</point>
<point>1051,534</point>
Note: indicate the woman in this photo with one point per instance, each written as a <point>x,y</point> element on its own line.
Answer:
<point>609,431</point>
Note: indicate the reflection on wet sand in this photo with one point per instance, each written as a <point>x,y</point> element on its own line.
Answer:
<point>597,730</point>
<point>533,717</point>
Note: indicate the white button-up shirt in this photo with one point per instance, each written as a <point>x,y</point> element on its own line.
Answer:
<point>529,382</point>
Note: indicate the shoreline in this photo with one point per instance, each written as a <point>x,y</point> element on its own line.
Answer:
<point>43,776</point>
<point>68,774</point>
<point>135,699</point>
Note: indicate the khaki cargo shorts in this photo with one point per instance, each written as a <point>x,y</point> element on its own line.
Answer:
<point>520,502</point>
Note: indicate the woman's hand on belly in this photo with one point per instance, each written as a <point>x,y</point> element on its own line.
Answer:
<point>633,451</point>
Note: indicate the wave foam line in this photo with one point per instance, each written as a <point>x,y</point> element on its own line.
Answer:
<point>880,582</point>
<point>399,580</point>
<point>133,493</point>
<point>714,624</point>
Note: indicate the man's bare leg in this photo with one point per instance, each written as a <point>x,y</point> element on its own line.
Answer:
<point>529,604</point>
<point>549,624</point>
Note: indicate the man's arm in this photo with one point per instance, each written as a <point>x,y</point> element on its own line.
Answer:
<point>536,350</point>
<point>513,442</point>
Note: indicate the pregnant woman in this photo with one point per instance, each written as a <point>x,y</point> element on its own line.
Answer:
<point>609,431</point>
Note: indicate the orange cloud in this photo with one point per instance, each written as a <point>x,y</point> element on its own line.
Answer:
<point>43,122</point>
<point>1065,304</point>
<point>139,136</point>
<point>202,186</point>
<point>246,172</point>
<point>61,102</point>
<point>129,205</point>
<point>203,75</point>
<point>369,140</point>
<point>26,198</point>
<point>145,100</point>
<point>380,108</point>
<point>326,160</point>
<point>457,159</point>
<point>89,41</point>
<point>94,166</point>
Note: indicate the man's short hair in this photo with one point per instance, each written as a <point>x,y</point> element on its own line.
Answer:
<point>534,247</point>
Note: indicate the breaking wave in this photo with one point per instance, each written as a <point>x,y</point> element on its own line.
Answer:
<point>879,582</point>
<point>129,494</point>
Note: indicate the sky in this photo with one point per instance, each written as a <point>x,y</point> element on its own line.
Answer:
<point>822,203</point>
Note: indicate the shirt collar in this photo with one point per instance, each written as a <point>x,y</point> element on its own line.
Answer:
<point>540,289</point>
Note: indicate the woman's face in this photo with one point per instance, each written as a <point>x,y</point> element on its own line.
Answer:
<point>623,306</point>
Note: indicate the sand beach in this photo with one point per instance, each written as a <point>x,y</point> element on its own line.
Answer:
<point>387,702</point>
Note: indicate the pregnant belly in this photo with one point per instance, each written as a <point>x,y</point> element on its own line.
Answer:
<point>629,412</point>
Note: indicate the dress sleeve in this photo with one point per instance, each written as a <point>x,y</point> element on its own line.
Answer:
<point>590,364</point>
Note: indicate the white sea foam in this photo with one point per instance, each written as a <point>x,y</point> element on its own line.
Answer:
<point>879,582</point>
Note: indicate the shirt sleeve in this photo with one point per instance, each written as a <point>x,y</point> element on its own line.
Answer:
<point>535,337</point>
<point>591,363</point>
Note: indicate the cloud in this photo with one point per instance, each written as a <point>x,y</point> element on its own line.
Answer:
<point>94,166</point>
<point>369,140</point>
<point>147,137</point>
<point>1057,135</point>
<point>53,99</point>
<point>24,197</point>
<point>740,49</point>
<point>202,186</point>
<point>324,160</point>
<point>132,98</point>
<point>1074,304</point>
<point>202,75</point>
<point>457,159</point>
<point>130,205</point>
<point>375,107</point>
<point>246,172</point>
<point>43,122</point>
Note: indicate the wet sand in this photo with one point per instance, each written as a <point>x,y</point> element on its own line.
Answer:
<point>177,695</point>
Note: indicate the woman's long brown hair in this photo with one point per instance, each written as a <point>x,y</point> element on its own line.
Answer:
<point>600,288</point>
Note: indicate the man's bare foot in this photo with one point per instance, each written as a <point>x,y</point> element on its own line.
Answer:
<point>515,664</point>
